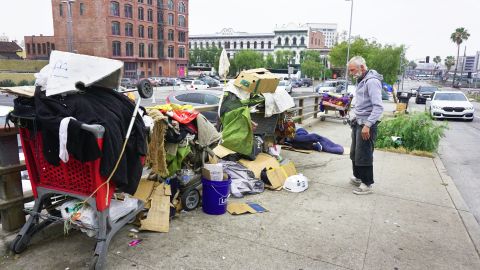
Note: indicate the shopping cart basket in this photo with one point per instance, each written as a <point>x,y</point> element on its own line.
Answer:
<point>73,179</point>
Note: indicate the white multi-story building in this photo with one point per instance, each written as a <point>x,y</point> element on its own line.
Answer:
<point>293,37</point>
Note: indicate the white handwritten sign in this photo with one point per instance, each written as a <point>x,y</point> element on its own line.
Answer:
<point>69,69</point>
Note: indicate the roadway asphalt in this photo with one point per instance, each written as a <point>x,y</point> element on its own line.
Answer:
<point>459,150</point>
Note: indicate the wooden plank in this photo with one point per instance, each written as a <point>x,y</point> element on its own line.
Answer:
<point>13,168</point>
<point>27,197</point>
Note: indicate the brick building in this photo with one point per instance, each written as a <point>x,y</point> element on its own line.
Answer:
<point>39,47</point>
<point>149,36</point>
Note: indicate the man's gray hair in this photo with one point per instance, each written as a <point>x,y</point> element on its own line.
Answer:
<point>358,61</point>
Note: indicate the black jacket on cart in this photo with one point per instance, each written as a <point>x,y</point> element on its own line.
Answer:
<point>101,106</point>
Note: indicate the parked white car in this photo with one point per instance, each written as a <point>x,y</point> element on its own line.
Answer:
<point>450,104</point>
<point>286,85</point>
<point>197,85</point>
<point>327,86</point>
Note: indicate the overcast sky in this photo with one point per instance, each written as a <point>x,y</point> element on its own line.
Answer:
<point>424,26</point>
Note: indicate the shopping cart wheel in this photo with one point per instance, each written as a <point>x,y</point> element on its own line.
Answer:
<point>19,244</point>
<point>190,199</point>
<point>94,263</point>
<point>322,118</point>
<point>145,88</point>
<point>345,121</point>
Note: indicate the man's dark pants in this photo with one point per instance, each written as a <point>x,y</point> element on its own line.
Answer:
<point>361,153</point>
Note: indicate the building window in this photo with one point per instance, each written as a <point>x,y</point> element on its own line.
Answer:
<point>159,17</point>
<point>262,45</point>
<point>195,45</point>
<point>149,2</point>
<point>129,49</point>
<point>141,31</point>
<point>207,44</point>
<point>44,48</point>
<point>33,48</point>
<point>160,49</point>
<point>182,36</point>
<point>201,45</point>
<point>150,15</point>
<point>141,50</point>
<point>60,8</point>
<point>171,35</point>
<point>129,30</point>
<point>82,9</point>
<point>181,52</point>
<point>28,48</point>
<point>140,13</point>
<point>241,44</point>
<point>170,51</point>
<point>116,48</point>
<point>269,44</point>
<point>294,41</point>
<point>227,45</point>
<point>170,4</point>
<point>302,41</point>
<point>160,33</point>
<point>248,44</point>
<point>114,9</point>
<point>150,32</point>
<point>150,50</point>
<point>287,41</point>
<point>115,28</point>
<point>181,7</point>
<point>181,21</point>
<point>160,3</point>
<point>39,48</point>
<point>279,41</point>
<point>128,11</point>
<point>219,45</point>
<point>140,1</point>
<point>254,44</point>
<point>170,19</point>
<point>53,46</point>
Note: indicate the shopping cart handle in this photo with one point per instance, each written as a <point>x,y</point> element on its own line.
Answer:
<point>97,130</point>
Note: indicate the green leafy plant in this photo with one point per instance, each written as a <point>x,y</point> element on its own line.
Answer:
<point>417,131</point>
<point>23,83</point>
<point>7,83</point>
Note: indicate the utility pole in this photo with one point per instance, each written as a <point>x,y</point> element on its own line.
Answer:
<point>69,25</point>
<point>463,63</point>
<point>348,48</point>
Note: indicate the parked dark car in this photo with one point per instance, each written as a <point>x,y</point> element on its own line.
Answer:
<point>198,98</point>
<point>210,81</point>
<point>296,83</point>
<point>306,82</point>
<point>128,83</point>
<point>424,92</point>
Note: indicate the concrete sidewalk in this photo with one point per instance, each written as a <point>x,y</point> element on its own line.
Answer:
<point>416,219</point>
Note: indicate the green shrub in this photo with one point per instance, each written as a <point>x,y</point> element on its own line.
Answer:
<point>417,132</point>
<point>32,82</point>
<point>7,83</point>
<point>23,82</point>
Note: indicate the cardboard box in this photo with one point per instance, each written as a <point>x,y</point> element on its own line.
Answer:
<point>257,81</point>
<point>277,176</point>
<point>244,208</point>
<point>261,162</point>
<point>401,107</point>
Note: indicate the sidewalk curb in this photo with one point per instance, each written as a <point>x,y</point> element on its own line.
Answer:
<point>468,220</point>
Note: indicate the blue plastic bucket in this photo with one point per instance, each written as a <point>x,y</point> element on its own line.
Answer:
<point>215,196</point>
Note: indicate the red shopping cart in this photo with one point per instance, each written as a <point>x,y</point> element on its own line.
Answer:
<point>73,179</point>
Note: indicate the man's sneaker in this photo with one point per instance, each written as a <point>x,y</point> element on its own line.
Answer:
<point>355,181</point>
<point>363,189</point>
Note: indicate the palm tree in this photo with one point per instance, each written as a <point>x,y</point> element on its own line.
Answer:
<point>458,37</point>
<point>449,62</point>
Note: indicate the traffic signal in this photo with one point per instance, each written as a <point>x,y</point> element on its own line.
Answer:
<point>427,60</point>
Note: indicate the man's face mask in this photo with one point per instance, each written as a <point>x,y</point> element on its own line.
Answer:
<point>355,72</point>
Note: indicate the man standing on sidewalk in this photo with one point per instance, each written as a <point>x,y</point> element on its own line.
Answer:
<point>367,113</point>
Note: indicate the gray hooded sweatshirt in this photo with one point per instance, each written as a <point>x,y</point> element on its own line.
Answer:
<point>368,106</point>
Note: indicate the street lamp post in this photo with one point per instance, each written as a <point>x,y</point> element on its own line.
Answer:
<point>69,25</point>
<point>348,48</point>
